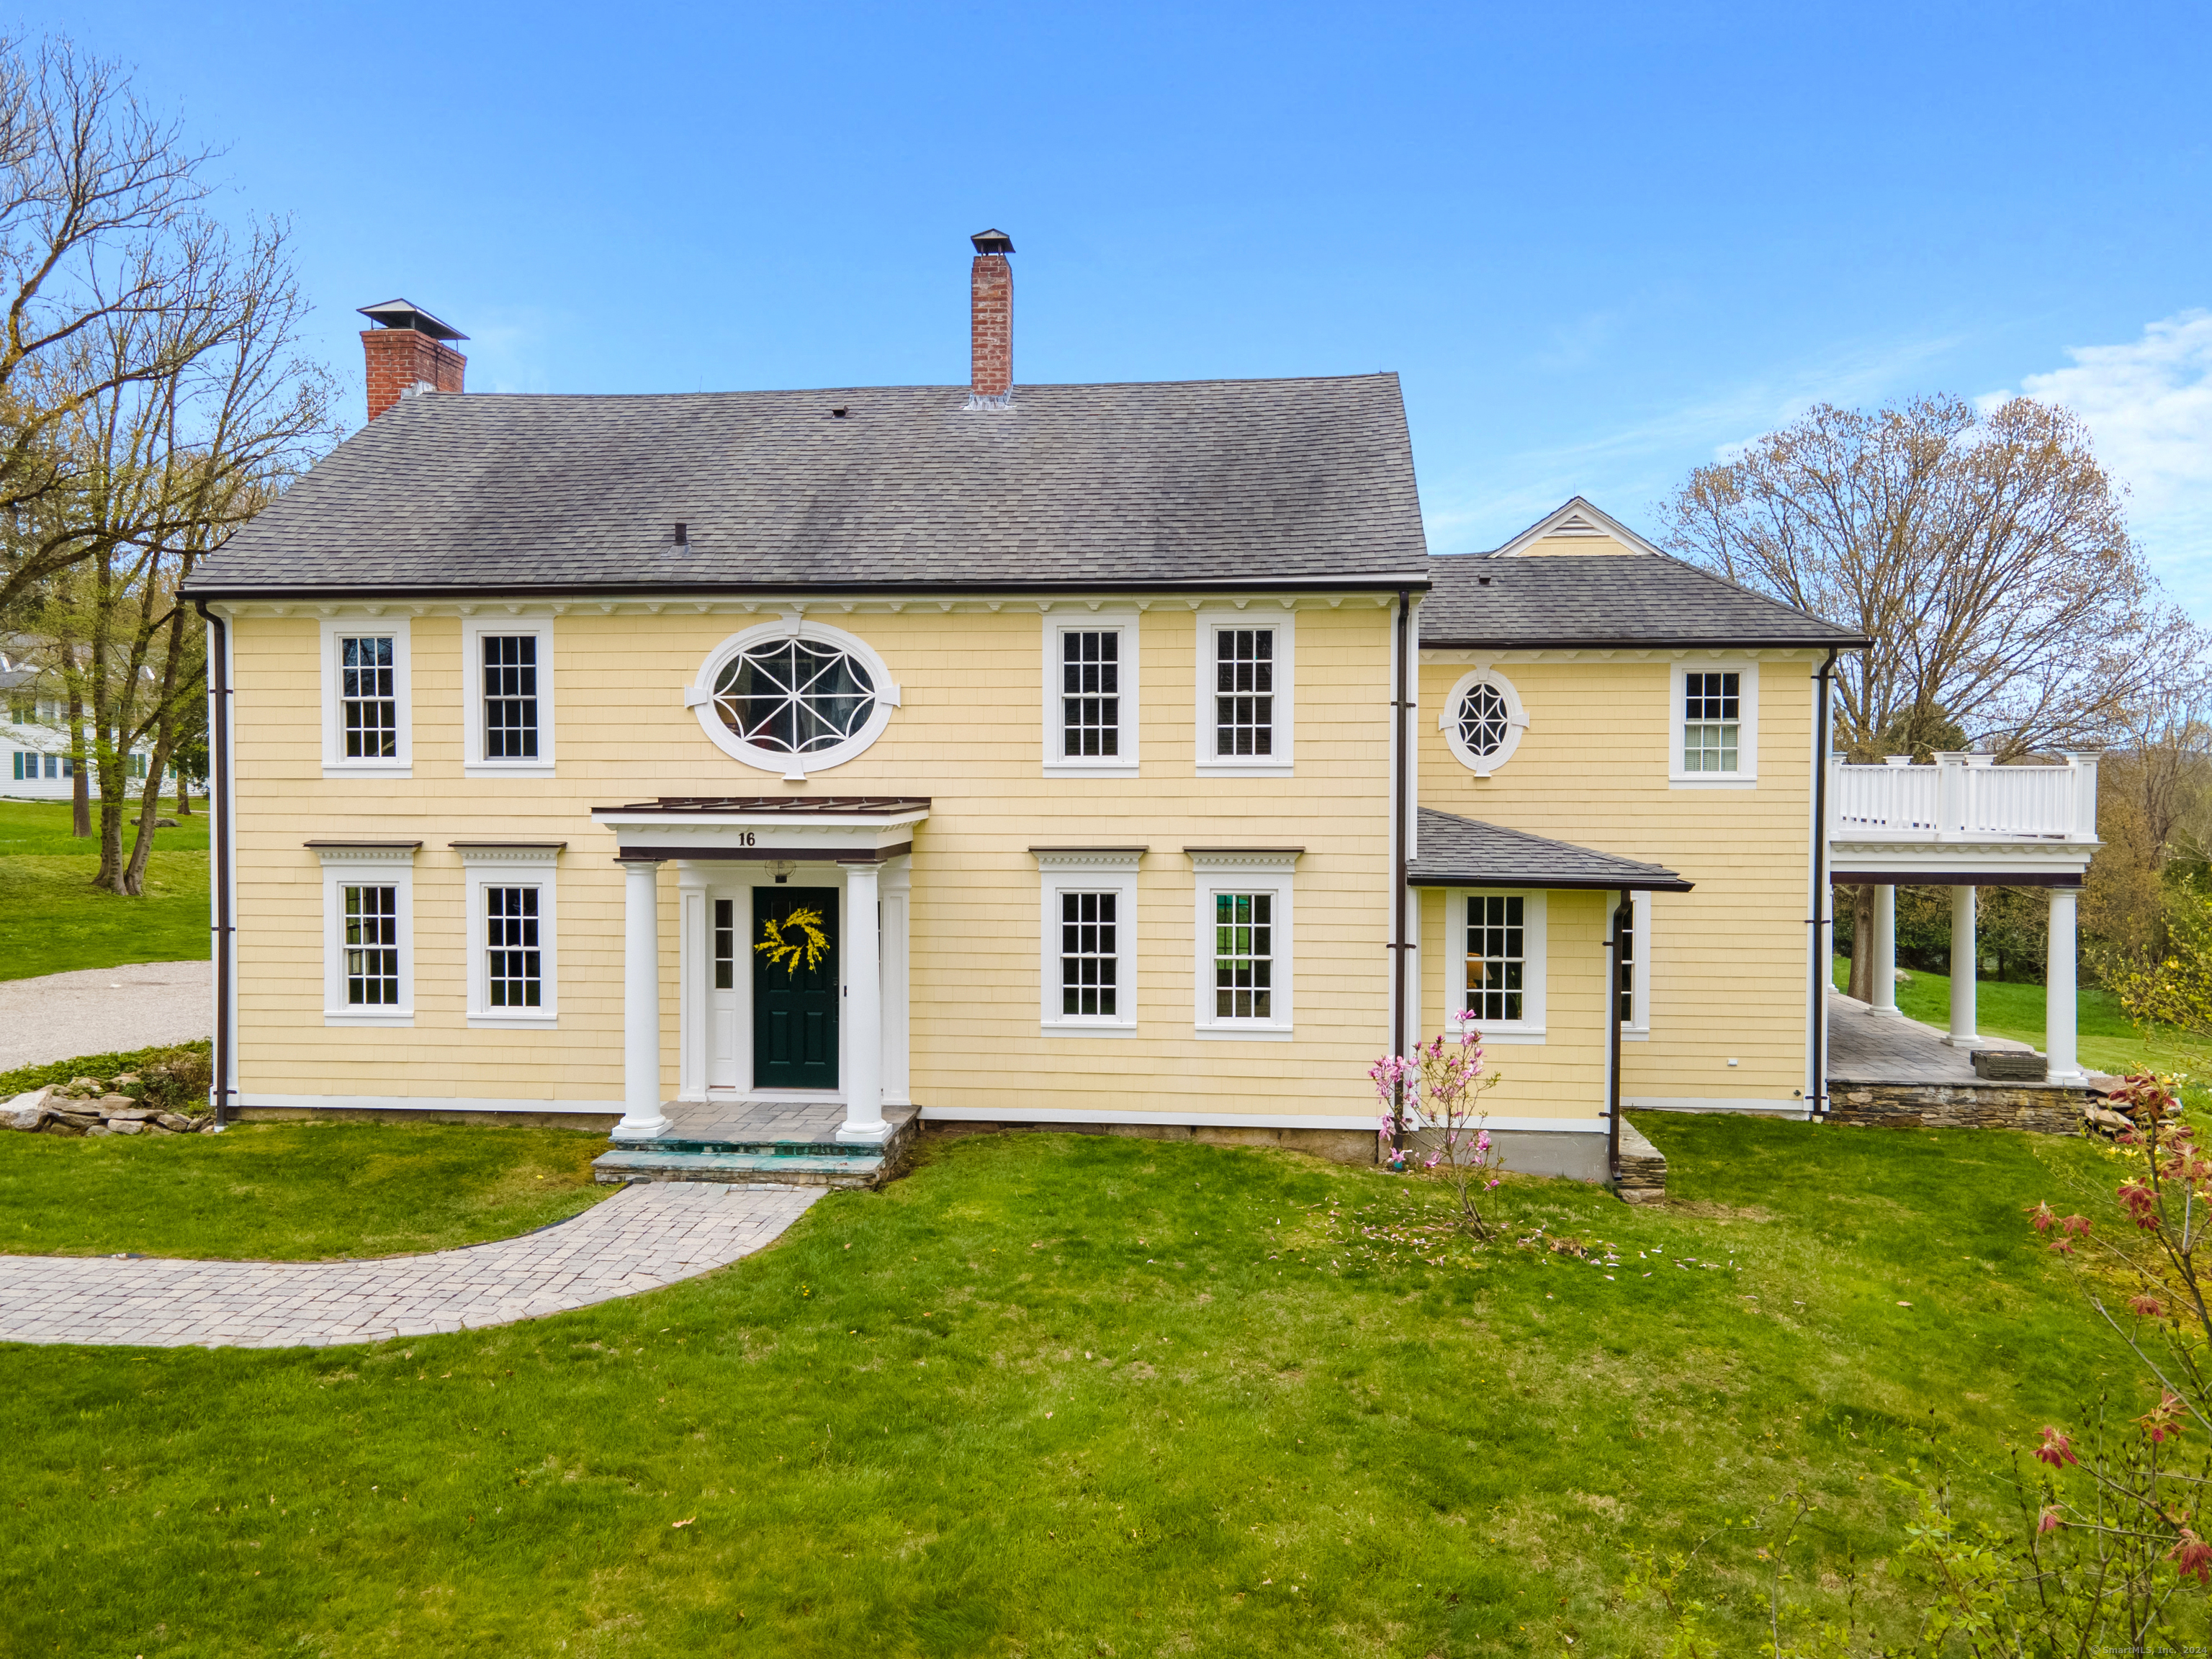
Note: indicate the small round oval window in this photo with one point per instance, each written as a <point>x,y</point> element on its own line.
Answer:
<point>1482,721</point>
<point>793,698</point>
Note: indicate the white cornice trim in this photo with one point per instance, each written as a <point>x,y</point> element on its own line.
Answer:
<point>491,854</point>
<point>1244,857</point>
<point>398,856</point>
<point>1088,858</point>
<point>723,604</point>
<point>1485,656</point>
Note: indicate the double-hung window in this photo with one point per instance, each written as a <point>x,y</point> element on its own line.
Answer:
<point>1713,733</point>
<point>1242,922</point>
<point>369,933</point>
<point>507,688</point>
<point>1090,693</point>
<point>1087,967</point>
<point>512,982</point>
<point>1245,685</point>
<point>368,714</point>
<point>1496,941</point>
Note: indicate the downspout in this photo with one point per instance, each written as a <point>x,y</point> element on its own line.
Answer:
<point>1624,923</point>
<point>219,789</point>
<point>1400,946</point>
<point>1816,1082</point>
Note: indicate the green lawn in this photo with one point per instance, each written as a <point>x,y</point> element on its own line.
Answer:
<point>53,920</point>
<point>1059,1396</point>
<point>290,1192</point>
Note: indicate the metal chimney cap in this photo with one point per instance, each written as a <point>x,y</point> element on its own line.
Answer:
<point>405,314</point>
<point>993,241</point>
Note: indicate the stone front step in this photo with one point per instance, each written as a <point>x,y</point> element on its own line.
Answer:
<point>844,1168</point>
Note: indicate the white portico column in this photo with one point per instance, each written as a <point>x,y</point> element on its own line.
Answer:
<point>642,1118</point>
<point>1884,999</point>
<point>864,1008</point>
<point>1966,960</point>
<point>2058,990</point>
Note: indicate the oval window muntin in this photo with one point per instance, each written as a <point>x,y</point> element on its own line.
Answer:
<point>1451,720</point>
<point>708,695</point>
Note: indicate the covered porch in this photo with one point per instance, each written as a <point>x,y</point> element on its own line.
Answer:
<point>1963,823</point>
<point>790,956</point>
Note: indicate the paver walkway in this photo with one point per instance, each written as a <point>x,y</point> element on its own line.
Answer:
<point>1866,1046</point>
<point>99,1011</point>
<point>643,1238</point>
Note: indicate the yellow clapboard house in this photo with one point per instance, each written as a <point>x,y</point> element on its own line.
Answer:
<point>776,770</point>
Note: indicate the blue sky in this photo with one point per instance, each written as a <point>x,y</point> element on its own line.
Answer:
<point>1601,245</point>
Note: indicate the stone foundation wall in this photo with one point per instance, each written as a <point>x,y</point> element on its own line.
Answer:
<point>2043,1108</point>
<point>1642,1169</point>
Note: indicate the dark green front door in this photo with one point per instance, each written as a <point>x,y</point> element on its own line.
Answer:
<point>794,987</point>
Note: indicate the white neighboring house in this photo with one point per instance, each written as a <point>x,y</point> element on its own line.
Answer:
<point>35,733</point>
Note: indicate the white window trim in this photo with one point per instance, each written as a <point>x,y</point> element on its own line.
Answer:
<point>699,696</point>
<point>1087,870</point>
<point>474,630</point>
<point>365,866</point>
<point>1536,946</point>
<point>1124,620</point>
<point>1745,776</point>
<point>334,763</point>
<point>1211,619</point>
<point>1517,721</point>
<point>512,866</point>
<point>1638,1029</point>
<point>1260,870</point>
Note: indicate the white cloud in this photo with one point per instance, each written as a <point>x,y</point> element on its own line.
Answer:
<point>2148,409</point>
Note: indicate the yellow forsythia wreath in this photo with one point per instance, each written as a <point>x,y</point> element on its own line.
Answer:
<point>790,953</point>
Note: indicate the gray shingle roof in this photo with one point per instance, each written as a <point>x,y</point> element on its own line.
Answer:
<point>1457,852</point>
<point>1603,600</point>
<point>1207,482</point>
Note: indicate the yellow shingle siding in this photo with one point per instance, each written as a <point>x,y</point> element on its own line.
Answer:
<point>1729,976</point>
<point>969,735</point>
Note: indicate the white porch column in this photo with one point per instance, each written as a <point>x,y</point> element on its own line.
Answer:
<point>898,912</point>
<point>2058,990</point>
<point>1966,954</point>
<point>864,1008</point>
<point>1884,945</point>
<point>642,1118</point>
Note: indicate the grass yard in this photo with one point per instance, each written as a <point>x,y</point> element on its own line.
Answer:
<point>1080,1395</point>
<point>52,920</point>
<point>290,1192</point>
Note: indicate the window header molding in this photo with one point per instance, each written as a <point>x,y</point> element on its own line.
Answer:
<point>509,852</point>
<point>1244,857</point>
<point>365,852</point>
<point>1088,858</point>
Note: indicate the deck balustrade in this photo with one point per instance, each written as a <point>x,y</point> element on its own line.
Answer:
<point>1966,797</point>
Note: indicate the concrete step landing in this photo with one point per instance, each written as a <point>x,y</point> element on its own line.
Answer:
<point>750,1169</point>
<point>759,1143</point>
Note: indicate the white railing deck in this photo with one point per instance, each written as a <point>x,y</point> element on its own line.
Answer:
<point>1965,798</point>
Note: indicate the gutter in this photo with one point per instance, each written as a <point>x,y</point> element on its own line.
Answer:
<point>1357,582</point>
<point>1822,919</point>
<point>221,899</point>
<point>1400,808</point>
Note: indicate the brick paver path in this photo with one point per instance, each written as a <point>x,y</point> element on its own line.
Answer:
<point>643,1238</point>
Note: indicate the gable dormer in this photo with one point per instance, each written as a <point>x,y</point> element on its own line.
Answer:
<point>1575,529</point>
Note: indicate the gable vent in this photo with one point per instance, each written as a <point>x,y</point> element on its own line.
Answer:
<point>1574,525</point>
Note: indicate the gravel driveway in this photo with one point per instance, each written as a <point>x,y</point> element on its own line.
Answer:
<point>104,1009</point>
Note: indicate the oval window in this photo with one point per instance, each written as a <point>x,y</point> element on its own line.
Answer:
<point>1483,721</point>
<point>792,697</point>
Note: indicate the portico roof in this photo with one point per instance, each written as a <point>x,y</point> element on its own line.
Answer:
<point>1457,852</point>
<point>848,828</point>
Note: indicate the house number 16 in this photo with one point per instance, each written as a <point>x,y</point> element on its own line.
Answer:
<point>745,838</point>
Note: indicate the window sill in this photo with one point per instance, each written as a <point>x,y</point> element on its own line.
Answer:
<point>350,1017</point>
<point>1531,1035</point>
<point>1222,768</point>
<point>490,1022</point>
<point>1242,1033</point>
<point>507,769</point>
<point>366,769</point>
<point>1628,1034</point>
<point>1712,780</point>
<point>1074,1029</point>
<point>1091,768</point>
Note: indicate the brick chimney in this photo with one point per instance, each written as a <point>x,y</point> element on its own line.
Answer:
<point>991,296</point>
<point>406,353</point>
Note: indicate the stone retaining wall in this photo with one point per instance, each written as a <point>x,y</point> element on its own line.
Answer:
<point>2043,1108</point>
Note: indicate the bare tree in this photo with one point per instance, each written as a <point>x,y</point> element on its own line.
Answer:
<point>165,471</point>
<point>100,227</point>
<point>1985,553</point>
